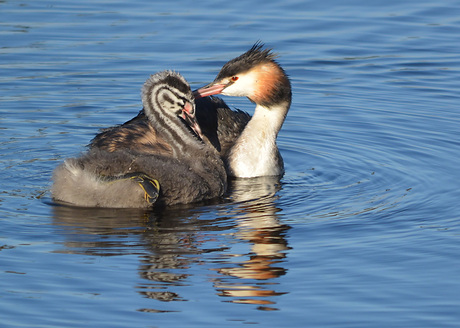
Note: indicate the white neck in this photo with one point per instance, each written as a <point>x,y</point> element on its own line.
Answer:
<point>255,152</point>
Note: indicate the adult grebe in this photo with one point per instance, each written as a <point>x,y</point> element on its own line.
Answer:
<point>256,75</point>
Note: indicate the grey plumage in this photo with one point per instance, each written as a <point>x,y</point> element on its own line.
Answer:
<point>169,152</point>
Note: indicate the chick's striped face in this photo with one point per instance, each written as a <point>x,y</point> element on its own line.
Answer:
<point>169,102</point>
<point>166,93</point>
<point>172,100</point>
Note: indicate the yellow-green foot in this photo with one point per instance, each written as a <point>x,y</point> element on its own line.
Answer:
<point>150,186</point>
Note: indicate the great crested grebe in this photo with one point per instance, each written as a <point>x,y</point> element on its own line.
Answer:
<point>256,75</point>
<point>156,158</point>
<point>246,145</point>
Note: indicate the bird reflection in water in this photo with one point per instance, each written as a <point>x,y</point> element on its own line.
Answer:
<point>257,222</point>
<point>171,242</point>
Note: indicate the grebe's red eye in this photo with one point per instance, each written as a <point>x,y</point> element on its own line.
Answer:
<point>234,78</point>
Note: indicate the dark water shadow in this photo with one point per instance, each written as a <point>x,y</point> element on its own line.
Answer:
<point>172,240</point>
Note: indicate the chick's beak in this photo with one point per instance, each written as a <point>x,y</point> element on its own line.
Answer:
<point>188,114</point>
<point>209,90</point>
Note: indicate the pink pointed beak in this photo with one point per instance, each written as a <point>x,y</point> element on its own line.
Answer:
<point>209,90</point>
<point>188,114</point>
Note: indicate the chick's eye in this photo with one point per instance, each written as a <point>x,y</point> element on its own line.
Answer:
<point>234,78</point>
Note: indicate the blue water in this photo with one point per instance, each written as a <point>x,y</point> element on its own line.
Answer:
<point>362,231</point>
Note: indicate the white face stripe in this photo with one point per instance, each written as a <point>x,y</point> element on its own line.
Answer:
<point>244,87</point>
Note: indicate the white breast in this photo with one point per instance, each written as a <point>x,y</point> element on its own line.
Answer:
<point>255,153</point>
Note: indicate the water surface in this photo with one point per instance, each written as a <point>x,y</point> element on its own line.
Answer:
<point>362,230</point>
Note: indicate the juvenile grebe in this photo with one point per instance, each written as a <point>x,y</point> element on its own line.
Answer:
<point>163,163</point>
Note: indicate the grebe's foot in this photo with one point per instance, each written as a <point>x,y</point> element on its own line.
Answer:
<point>150,186</point>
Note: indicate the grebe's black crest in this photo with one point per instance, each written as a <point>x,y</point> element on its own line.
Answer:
<point>251,58</point>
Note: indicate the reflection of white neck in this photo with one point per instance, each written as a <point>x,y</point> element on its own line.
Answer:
<point>255,152</point>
